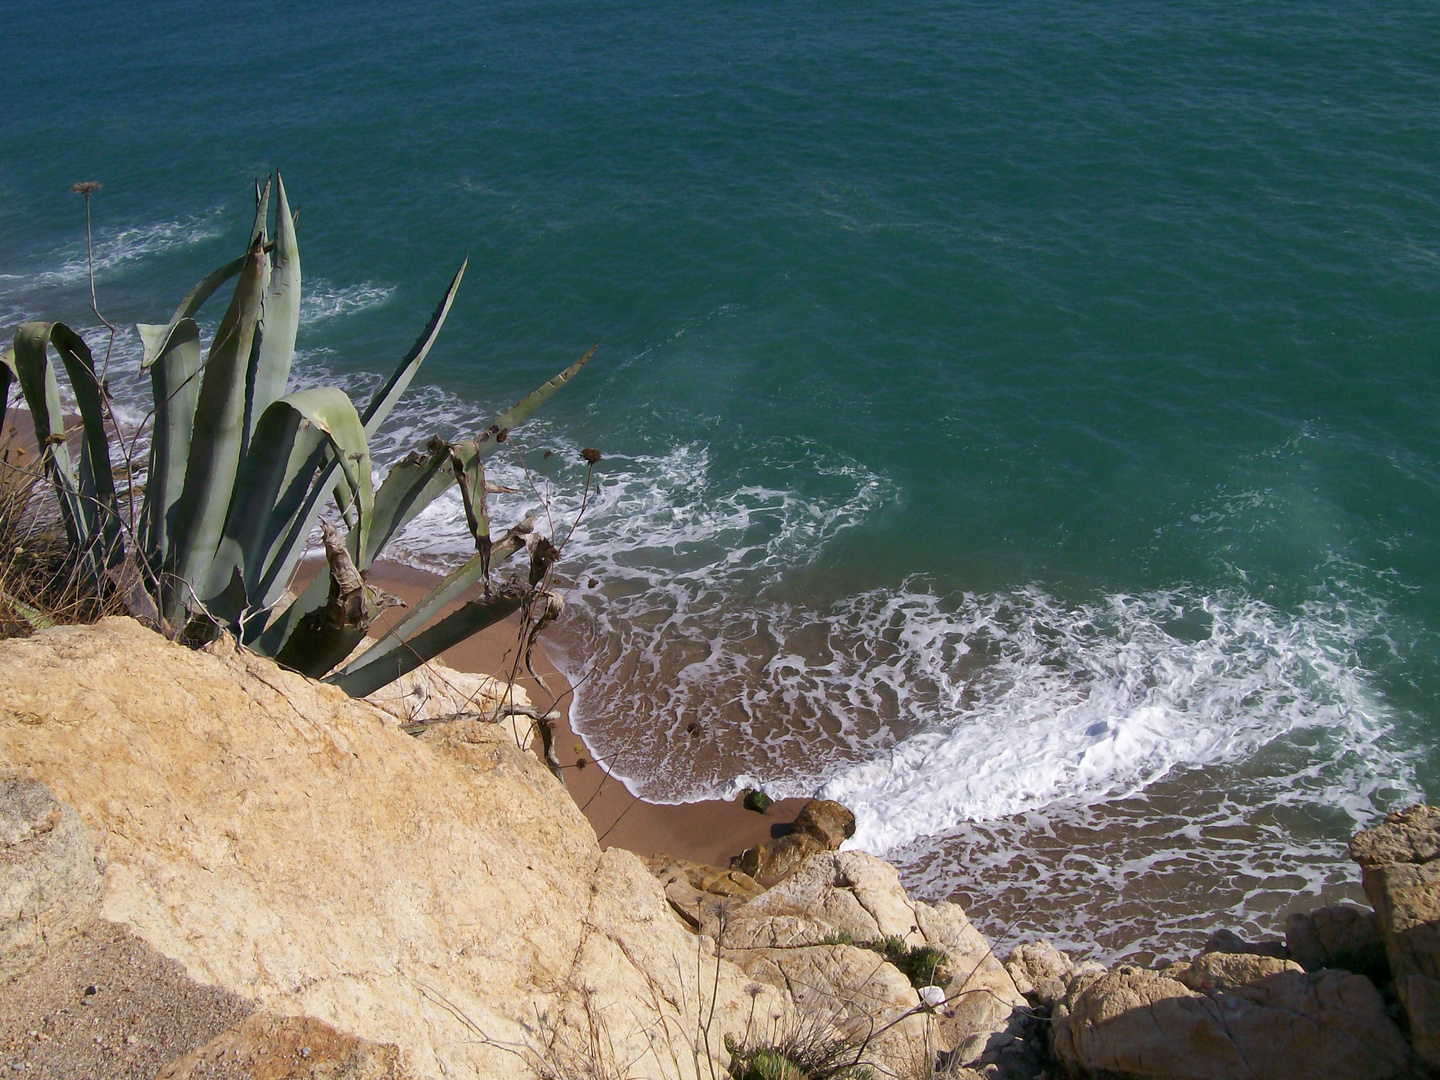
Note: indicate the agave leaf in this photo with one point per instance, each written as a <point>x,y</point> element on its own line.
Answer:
<point>42,395</point>
<point>455,584</point>
<point>460,624</point>
<point>154,335</point>
<point>470,479</point>
<point>279,320</point>
<point>316,646</point>
<point>214,457</point>
<point>275,638</point>
<point>271,488</point>
<point>292,546</point>
<point>525,408</point>
<point>412,484</point>
<point>175,389</point>
<point>416,482</point>
<point>96,480</point>
<point>7,377</point>
<point>399,381</point>
<point>31,616</point>
<point>262,211</point>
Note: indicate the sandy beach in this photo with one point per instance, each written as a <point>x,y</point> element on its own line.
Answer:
<point>707,832</point>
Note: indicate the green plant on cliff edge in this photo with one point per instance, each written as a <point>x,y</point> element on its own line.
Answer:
<point>239,472</point>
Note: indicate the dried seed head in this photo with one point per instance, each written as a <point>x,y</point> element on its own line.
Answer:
<point>85,187</point>
<point>590,454</point>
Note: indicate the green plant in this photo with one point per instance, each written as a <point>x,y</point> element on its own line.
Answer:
<point>923,965</point>
<point>812,1051</point>
<point>766,1063</point>
<point>239,472</point>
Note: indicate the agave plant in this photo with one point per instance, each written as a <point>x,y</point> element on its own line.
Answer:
<point>239,473</point>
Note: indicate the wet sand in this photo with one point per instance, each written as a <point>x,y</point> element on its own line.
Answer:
<point>706,832</point>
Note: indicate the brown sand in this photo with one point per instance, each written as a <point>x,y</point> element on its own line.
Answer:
<point>706,832</point>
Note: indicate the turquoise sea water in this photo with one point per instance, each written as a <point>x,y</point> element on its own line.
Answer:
<point>1021,421</point>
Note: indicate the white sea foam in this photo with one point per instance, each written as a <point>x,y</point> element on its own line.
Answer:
<point>1100,701</point>
<point>320,300</point>
<point>119,246</point>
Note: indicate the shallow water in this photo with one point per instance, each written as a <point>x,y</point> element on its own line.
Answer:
<point>1020,421</point>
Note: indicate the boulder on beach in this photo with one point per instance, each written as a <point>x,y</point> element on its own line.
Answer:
<point>822,825</point>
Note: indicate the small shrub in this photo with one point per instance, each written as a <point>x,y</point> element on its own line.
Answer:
<point>765,1063</point>
<point>923,965</point>
<point>797,1059</point>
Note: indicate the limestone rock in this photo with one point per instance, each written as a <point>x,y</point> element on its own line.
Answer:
<point>1228,971</point>
<point>1401,872</point>
<point>851,990</point>
<point>1400,867</point>
<point>1420,997</point>
<point>1039,969</point>
<point>985,1011</point>
<point>827,821</point>
<point>834,893</point>
<point>1340,936</point>
<point>293,1047</point>
<point>106,1005</point>
<point>712,880</point>
<point>1289,1025</point>
<point>841,898</point>
<point>51,877</point>
<point>295,847</point>
<point>1405,836</point>
<point>691,887</point>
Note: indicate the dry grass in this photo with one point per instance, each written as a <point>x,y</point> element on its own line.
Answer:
<point>40,584</point>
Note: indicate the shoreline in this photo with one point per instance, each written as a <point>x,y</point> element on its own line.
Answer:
<point>709,831</point>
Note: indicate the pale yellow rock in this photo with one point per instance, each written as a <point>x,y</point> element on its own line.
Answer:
<point>984,1007</point>
<point>268,1047</point>
<point>855,897</point>
<point>1039,969</point>
<point>1227,971</point>
<point>436,690</point>
<point>1289,1025</point>
<point>854,992</point>
<point>836,892</point>
<point>51,877</point>
<point>294,846</point>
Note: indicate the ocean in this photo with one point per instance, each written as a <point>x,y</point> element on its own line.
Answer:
<point>1021,422</point>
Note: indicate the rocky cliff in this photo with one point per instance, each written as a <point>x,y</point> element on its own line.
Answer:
<point>440,896</point>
